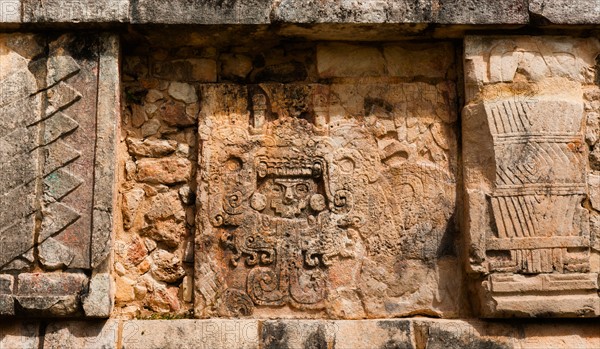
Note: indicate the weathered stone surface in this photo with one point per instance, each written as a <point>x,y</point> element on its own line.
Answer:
<point>166,266</point>
<point>343,60</point>
<point>84,335</point>
<point>564,11</point>
<point>19,334</point>
<point>99,300</point>
<point>390,11</point>
<point>235,66</point>
<point>179,12</point>
<point>7,306</point>
<point>54,255</point>
<point>163,171</point>
<point>419,60</point>
<point>10,11</point>
<point>242,334</point>
<point>152,148</point>
<point>526,180</point>
<point>192,70</point>
<point>327,201</point>
<point>150,128</point>
<point>440,334</point>
<point>59,102</point>
<point>292,334</point>
<point>287,11</point>
<point>406,60</point>
<point>174,114</point>
<point>183,92</point>
<point>51,294</point>
<point>337,334</point>
<point>131,201</point>
<point>71,11</point>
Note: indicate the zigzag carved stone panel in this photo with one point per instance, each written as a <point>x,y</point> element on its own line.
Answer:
<point>57,122</point>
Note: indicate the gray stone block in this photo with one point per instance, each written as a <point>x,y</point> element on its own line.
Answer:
<point>391,11</point>
<point>201,334</point>
<point>480,12</point>
<point>19,334</point>
<point>75,11</point>
<point>337,334</point>
<point>201,12</point>
<point>565,11</point>
<point>84,335</point>
<point>59,102</point>
<point>10,11</point>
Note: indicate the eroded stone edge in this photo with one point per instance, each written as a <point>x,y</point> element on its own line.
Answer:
<point>100,300</point>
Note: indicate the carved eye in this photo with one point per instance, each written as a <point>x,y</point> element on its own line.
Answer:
<point>276,189</point>
<point>301,188</point>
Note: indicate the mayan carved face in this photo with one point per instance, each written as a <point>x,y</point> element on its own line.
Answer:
<point>287,197</point>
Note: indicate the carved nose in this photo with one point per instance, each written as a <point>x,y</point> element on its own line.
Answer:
<point>289,196</point>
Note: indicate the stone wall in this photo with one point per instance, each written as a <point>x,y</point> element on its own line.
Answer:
<point>409,109</point>
<point>298,174</point>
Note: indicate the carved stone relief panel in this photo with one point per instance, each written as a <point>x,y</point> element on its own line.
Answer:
<point>526,176</point>
<point>58,117</point>
<point>327,200</point>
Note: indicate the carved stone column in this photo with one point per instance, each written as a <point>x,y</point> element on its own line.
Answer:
<point>527,208</point>
<point>59,103</point>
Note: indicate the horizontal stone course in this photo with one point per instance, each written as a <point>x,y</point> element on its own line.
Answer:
<point>347,334</point>
<point>474,12</point>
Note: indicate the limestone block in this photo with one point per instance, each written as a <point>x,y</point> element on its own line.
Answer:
<point>526,175</point>
<point>75,11</point>
<point>57,153</point>
<point>54,294</point>
<point>98,302</point>
<point>163,171</point>
<point>192,69</point>
<point>337,334</point>
<point>214,333</point>
<point>200,12</point>
<point>19,334</point>
<point>183,92</point>
<point>342,60</point>
<point>419,60</point>
<point>327,201</point>
<point>153,148</point>
<point>10,11</point>
<point>397,60</point>
<point>84,335</point>
<point>390,11</point>
<point>565,11</point>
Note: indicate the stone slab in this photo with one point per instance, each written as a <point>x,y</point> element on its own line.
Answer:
<point>201,12</point>
<point>57,149</point>
<point>294,222</point>
<point>75,11</point>
<point>337,334</point>
<point>564,11</point>
<point>233,334</point>
<point>473,12</point>
<point>10,11</point>
<point>470,12</point>
<point>84,335</point>
<point>19,334</point>
<point>266,12</point>
<point>201,334</point>
<point>430,61</point>
<point>389,11</point>
<point>526,176</point>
